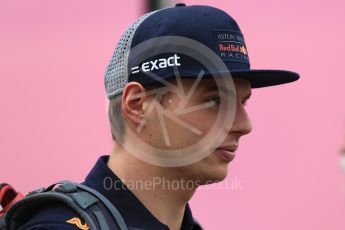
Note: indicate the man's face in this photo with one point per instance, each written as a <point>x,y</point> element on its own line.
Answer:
<point>214,166</point>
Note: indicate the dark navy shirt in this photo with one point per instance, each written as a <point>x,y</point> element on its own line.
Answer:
<point>135,214</point>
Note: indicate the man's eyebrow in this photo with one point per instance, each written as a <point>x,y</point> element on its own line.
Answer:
<point>212,87</point>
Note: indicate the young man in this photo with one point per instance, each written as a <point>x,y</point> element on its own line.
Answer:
<point>177,83</point>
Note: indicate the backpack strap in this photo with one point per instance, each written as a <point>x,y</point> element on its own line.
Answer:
<point>8,196</point>
<point>93,207</point>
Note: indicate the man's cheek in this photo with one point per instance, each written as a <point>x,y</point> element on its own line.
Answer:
<point>202,121</point>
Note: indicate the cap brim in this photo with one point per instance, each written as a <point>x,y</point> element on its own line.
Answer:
<point>264,78</point>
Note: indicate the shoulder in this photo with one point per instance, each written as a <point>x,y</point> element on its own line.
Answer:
<point>55,217</point>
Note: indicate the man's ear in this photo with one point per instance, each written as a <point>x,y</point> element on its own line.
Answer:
<point>134,100</point>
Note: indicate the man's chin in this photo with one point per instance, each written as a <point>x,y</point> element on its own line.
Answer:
<point>215,176</point>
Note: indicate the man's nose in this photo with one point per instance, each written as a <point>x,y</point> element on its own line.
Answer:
<point>241,124</point>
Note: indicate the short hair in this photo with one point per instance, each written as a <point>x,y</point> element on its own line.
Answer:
<point>116,119</point>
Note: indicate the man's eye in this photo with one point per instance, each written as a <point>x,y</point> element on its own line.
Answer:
<point>214,100</point>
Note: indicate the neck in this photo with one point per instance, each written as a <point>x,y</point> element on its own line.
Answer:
<point>165,200</point>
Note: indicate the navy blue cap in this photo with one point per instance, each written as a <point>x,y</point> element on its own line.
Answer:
<point>207,25</point>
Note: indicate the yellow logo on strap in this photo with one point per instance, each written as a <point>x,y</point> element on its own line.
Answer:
<point>76,221</point>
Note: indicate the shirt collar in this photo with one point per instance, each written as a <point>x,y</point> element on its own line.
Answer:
<point>133,211</point>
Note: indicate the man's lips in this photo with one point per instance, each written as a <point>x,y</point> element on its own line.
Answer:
<point>227,153</point>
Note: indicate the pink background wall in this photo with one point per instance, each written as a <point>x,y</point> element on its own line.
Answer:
<point>53,122</point>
